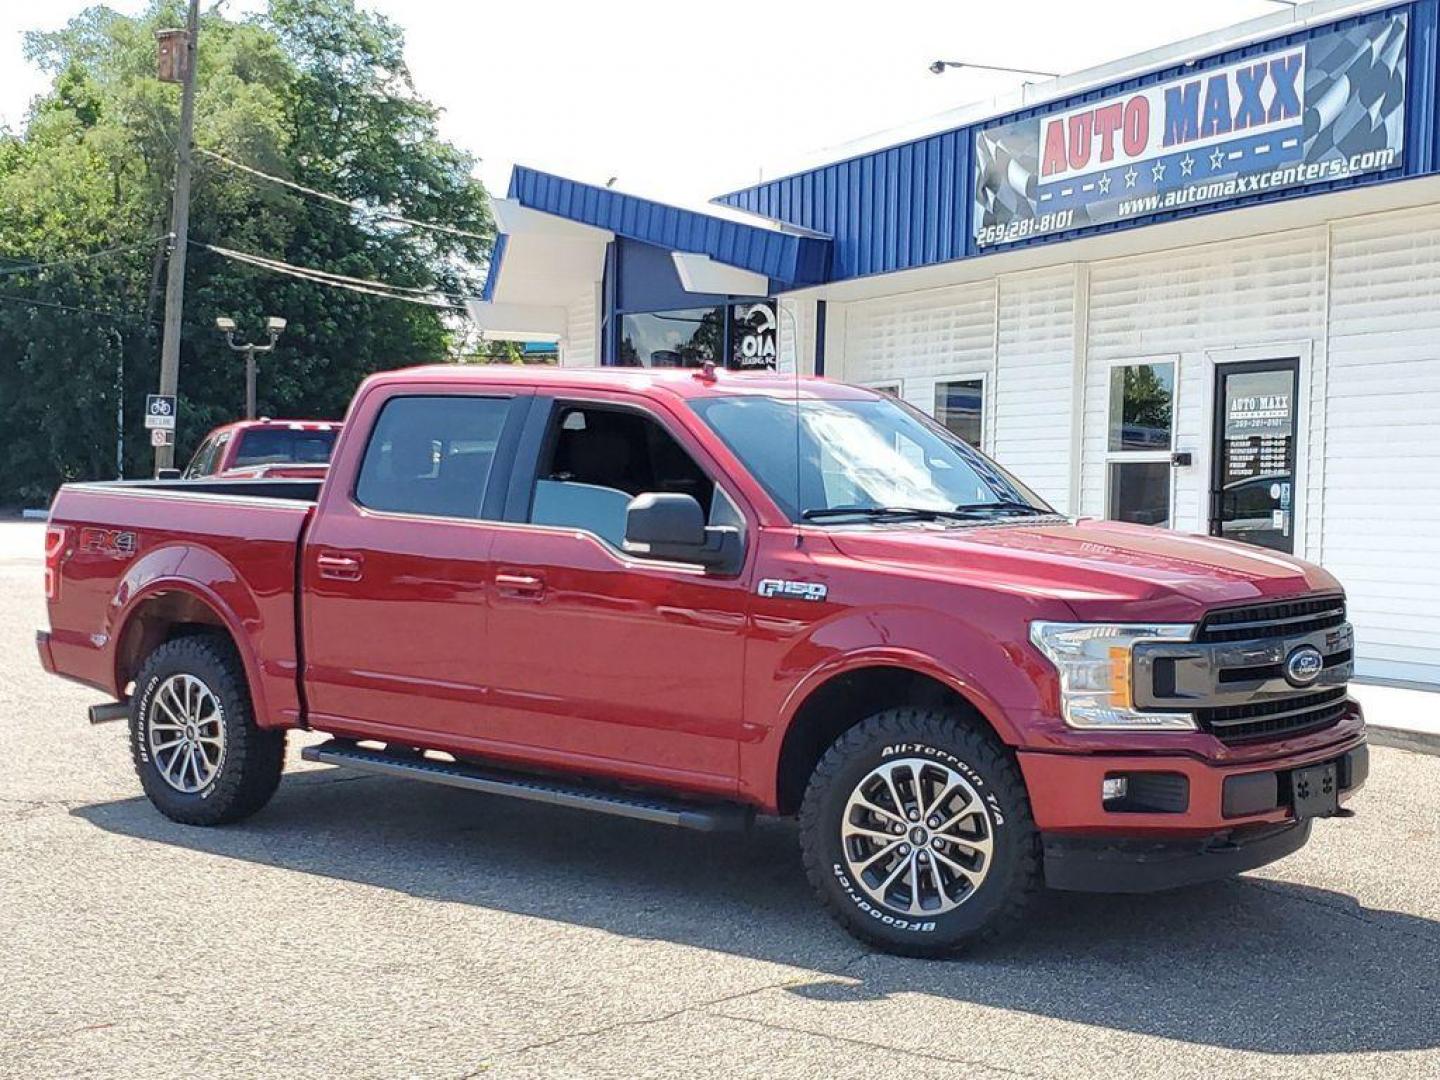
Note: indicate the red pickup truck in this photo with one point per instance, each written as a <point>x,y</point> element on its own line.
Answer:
<point>688,597</point>
<point>265,448</point>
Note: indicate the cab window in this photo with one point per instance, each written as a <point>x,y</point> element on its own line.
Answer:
<point>597,459</point>
<point>432,455</point>
<point>207,458</point>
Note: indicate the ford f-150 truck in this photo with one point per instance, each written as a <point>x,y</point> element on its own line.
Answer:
<point>688,597</point>
<point>263,448</point>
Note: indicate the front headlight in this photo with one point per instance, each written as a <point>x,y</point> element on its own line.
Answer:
<point>1096,668</point>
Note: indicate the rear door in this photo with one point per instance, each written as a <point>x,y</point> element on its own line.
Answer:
<point>397,566</point>
<point>600,660</point>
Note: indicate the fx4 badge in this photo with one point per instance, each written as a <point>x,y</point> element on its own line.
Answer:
<point>117,542</point>
<point>792,590</point>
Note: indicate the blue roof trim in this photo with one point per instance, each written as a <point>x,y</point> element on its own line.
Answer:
<point>492,274</point>
<point>791,258</point>
<point>910,204</point>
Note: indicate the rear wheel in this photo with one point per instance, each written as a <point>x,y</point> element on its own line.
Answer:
<point>917,834</point>
<point>200,756</point>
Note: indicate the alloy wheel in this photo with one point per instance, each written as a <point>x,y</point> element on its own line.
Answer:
<point>185,732</point>
<point>917,837</point>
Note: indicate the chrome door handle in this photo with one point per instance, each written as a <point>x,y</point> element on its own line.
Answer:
<point>336,566</point>
<point>516,584</point>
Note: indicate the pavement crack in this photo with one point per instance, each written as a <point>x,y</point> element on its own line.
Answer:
<point>1357,916</point>
<point>947,1059</point>
<point>639,1021</point>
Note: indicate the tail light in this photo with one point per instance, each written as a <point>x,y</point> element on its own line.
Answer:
<point>55,537</point>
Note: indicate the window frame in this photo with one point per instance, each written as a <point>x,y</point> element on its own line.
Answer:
<point>493,503</point>
<point>537,442</point>
<point>1121,457</point>
<point>983,378</point>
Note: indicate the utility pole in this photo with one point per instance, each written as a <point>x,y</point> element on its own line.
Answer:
<point>179,228</point>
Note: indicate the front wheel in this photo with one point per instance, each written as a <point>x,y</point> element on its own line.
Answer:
<point>200,756</point>
<point>917,834</point>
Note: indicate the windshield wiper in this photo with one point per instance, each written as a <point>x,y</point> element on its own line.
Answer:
<point>887,513</point>
<point>1008,505</point>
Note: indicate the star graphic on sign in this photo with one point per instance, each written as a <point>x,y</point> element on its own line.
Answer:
<point>1217,159</point>
<point>1187,165</point>
<point>1157,172</point>
<point>1104,183</point>
<point>1131,176</point>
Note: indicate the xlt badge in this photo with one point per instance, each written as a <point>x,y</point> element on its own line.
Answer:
<point>792,590</point>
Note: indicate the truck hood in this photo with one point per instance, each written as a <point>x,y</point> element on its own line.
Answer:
<point>1104,570</point>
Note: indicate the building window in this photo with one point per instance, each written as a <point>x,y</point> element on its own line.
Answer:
<point>739,336</point>
<point>960,406</point>
<point>672,339</point>
<point>1142,398</point>
<point>1141,437</point>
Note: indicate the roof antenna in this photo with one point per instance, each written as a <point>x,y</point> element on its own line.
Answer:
<point>795,370</point>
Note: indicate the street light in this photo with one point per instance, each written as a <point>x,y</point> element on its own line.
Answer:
<point>274,326</point>
<point>939,66</point>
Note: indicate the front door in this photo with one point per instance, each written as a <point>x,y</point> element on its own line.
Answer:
<point>1253,491</point>
<point>601,661</point>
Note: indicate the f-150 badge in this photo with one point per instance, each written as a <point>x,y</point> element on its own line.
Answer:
<point>792,590</point>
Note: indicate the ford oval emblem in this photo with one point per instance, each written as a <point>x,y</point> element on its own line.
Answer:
<point>1303,665</point>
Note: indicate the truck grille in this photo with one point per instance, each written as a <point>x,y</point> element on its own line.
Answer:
<point>1273,719</point>
<point>1285,618</point>
<point>1234,677</point>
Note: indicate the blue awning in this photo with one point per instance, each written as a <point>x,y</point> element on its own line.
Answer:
<point>792,257</point>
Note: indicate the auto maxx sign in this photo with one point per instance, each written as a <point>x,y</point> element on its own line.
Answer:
<point>1323,109</point>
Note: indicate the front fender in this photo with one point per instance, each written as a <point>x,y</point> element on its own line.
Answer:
<point>984,659</point>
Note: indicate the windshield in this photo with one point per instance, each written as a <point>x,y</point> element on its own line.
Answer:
<point>870,456</point>
<point>277,446</point>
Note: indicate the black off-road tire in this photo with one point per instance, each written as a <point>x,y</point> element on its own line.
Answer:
<point>253,757</point>
<point>1014,877</point>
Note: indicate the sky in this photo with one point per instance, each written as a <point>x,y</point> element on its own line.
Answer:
<point>683,101</point>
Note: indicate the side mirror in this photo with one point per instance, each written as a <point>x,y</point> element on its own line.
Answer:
<point>663,525</point>
<point>167,474</point>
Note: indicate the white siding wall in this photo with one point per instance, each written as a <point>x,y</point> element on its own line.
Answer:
<point>1382,449</point>
<point>1033,381</point>
<point>1193,305</point>
<point>796,334</point>
<point>920,335</point>
<point>582,331</point>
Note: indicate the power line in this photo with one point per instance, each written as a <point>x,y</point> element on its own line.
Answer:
<point>426,297</point>
<point>30,267</point>
<point>349,204</point>
<point>28,302</point>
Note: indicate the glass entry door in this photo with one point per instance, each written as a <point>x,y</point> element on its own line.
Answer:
<point>1252,495</point>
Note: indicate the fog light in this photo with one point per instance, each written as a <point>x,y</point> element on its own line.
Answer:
<point>1114,788</point>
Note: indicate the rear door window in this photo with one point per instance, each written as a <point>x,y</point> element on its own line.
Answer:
<point>432,455</point>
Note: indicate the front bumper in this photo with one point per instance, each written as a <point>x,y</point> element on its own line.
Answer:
<point>1193,821</point>
<point>1079,864</point>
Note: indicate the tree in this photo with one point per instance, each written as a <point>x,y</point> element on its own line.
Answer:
<point>310,90</point>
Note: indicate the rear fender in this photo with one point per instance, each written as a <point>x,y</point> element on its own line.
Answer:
<point>205,577</point>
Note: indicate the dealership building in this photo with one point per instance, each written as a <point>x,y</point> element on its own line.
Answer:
<point>1197,288</point>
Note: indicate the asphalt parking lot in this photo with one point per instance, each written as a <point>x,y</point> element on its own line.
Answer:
<point>370,927</point>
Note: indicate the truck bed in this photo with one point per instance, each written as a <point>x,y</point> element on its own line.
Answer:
<point>223,551</point>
